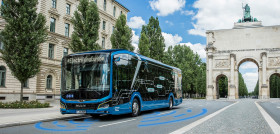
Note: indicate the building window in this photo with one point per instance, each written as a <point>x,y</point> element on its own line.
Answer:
<point>113,29</point>
<point>1,5</point>
<point>104,6</point>
<point>68,9</point>
<point>1,45</point>
<point>51,51</point>
<point>52,25</point>
<point>67,27</point>
<point>104,25</point>
<point>25,84</point>
<point>49,82</point>
<point>103,42</point>
<point>114,11</point>
<point>53,3</point>
<point>95,1</point>
<point>121,12</point>
<point>2,76</point>
<point>65,51</point>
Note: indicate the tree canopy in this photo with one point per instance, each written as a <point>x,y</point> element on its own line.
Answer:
<point>274,85</point>
<point>122,35</point>
<point>24,31</point>
<point>193,69</point>
<point>242,88</point>
<point>86,23</point>
<point>151,42</point>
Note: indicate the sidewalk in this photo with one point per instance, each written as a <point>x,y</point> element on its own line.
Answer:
<point>15,117</point>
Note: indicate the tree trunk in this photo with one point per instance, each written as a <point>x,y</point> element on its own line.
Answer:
<point>21,92</point>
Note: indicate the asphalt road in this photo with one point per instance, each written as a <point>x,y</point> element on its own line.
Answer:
<point>157,121</point>
<point>272,107</point>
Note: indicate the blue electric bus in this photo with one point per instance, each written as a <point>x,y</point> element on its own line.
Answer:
<point>116,82</point>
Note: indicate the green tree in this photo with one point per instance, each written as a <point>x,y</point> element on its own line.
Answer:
<point>242,88</point>
<point>274,85</point>
<point>193,70</point>
<point>121,37</point>
<point>152,39</point>
<point>86,25</point>
<point>144,45</point>
<point>256,90</point>
<point>23,32</point>
<point>223,86</point>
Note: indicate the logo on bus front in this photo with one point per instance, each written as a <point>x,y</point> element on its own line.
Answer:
<point>69,96</point>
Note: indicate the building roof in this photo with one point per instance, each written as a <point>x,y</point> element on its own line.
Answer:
<point>121,5</point>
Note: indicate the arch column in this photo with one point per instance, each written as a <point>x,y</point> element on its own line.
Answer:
<point>263,93</point>
<point>210,87</point>
<point>232,87</point>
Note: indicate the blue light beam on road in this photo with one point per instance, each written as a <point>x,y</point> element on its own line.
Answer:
<point>173,112</point>
<point>150,120</point>
<point>38,126</point>
<point>204,111</point>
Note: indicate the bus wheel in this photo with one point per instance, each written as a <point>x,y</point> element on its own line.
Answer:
<point>170,103</point>
<point>135,107</point>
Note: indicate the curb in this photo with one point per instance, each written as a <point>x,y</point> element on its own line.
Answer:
<point>35,121</point>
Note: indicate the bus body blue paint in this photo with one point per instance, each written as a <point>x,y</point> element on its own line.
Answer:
<point>125,107</point>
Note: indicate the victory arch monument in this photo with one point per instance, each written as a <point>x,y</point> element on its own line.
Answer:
<point>248,40</point>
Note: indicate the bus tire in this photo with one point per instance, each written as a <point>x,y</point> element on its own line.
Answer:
<point>170,103</point>
<point>135,108</point>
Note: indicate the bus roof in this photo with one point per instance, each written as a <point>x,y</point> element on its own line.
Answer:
<point>127,52</point>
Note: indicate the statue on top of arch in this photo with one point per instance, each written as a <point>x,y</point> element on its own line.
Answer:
<point>247,15</point>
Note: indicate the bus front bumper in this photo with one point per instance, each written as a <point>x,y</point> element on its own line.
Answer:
<point>116,110</point>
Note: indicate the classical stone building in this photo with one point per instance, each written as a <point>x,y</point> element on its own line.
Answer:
<point>46,84</point>
<point>247,41</point>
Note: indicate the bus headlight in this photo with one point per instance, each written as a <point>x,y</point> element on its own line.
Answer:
<point>62,106</point>
<point>103,105</point>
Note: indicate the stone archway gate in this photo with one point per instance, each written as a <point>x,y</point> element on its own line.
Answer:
<point>227,49</point>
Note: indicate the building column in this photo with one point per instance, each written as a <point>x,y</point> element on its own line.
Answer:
<point>210,94</point>
<point>232,86</point>
<point>264,87</point>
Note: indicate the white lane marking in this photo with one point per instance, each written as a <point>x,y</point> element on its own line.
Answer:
<point>116,123</point>
<point>273,125</point>
<point>165,113</point>
<point>194,124</point>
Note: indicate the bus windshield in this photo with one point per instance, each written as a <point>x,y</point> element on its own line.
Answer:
<point>85,76</point>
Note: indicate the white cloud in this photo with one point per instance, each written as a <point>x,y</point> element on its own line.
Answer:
<point>250,79</point>
<point>171,40</point>
<point>135,40</point>
<point>248,65</point>
<point>166,7</point>
<point>221,14</point>
<point>187,12</point>
<point>136,22</point>
<point>169,22</point>
<point>197,48</point>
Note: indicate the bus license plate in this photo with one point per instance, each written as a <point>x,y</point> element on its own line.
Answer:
<point>81,111</point>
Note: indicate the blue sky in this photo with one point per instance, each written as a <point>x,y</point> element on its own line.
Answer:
<point>185,22</point>
<point>174,23</point>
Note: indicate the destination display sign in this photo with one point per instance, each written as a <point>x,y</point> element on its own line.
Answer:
<point>86,59</point>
